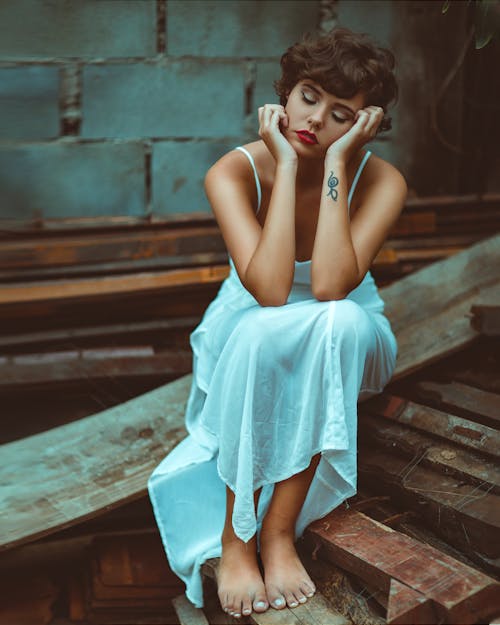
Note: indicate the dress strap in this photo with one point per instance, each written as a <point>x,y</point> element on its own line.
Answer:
<point>257,181</point>
<point>356,178</point>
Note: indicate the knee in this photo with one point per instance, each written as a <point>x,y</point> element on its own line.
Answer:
<point>353,321</point>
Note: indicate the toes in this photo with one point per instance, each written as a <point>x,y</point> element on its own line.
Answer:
<point>278,602</point>
<point>246,607</point>
<point>291,600</point>
<point>260,604</point>
<point>308,588</point>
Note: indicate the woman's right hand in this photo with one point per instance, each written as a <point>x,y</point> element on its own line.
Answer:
<point>270,118</point>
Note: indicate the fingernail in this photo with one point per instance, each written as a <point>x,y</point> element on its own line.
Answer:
<point>260,604</point>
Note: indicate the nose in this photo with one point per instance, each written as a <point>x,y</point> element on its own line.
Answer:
<point>316,117</point>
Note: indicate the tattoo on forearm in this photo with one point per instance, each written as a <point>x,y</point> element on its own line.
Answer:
<point>332,183</point>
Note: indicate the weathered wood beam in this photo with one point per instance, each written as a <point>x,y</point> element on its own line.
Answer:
<point>72,473</point>
<point>125,332</point>
<point>486,319</point>
<point>47,291</point>
<point>455,592</point>
<point>187,613</point>
<point>450,427</point>
<point>441,456</point>
<point>479,405</point>
<point>465,515</point>
<point>91,364</point>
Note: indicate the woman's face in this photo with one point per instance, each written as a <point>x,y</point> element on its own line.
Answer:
<point>311,108</point>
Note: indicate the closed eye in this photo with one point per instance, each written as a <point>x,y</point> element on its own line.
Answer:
<point>340,120</point>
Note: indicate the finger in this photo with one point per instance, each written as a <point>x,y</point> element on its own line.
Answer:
<point>375,118</point>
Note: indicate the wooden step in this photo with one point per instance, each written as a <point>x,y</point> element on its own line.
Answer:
<point>187,613</point>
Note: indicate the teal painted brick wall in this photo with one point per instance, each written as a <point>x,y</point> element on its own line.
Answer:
<point>178,173</point>
<point>181,98</point>
<point>71,180</point>
<point>118,107</point>
<point>232,28</point>
<point>29,102</point>
<point>76,28</point>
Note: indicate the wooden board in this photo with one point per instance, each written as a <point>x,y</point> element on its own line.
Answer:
<point>429,309</point>
<point>456,592</point>
<point>47,291</point>
<point>441,424</point>
<point>52,480</point>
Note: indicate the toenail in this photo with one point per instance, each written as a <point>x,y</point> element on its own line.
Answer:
<point>310,594</point>
<point>302,600</point>
<point>247,611</point>
<point>237,614</point>
<point>260,604</point>
<point>294,604</point>
<point>279,602</point>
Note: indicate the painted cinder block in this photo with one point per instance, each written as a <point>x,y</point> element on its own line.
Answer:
<point>29,102</point>
<point>188,98</point>
<point>178,171</point>
<point>264,93</point>
<point>62,28</point>
<point>71,180</point>
<point>237,28</point>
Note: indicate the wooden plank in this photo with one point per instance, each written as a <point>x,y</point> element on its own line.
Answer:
<point>427,339</point>
<point>137,283</point>
<point>407,606</point>
<point>475,403</point>
<point>103,247</point>
<point>52,480</point>
<point>444,457</point>
<point>64,367</point>
<point>464,515</point>
<point>124,332</point>
<point>486,319</point>
<point>355,542</point>
<point>450,427</point>
<point>187,613</point>
<point>428,309</point>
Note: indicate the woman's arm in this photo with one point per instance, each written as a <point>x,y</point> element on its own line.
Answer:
<point>264,257</point>
<point>343,248</point>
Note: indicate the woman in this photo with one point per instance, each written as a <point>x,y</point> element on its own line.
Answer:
<point>296,335</point>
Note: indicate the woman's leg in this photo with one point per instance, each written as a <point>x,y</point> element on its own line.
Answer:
<point>286,580</point>
<point>239,580</point>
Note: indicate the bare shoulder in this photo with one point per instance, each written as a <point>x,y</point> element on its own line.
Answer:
<point>380,171</point>
<point>380,179</point>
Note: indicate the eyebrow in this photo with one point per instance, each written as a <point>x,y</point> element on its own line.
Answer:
<point>339,104</point>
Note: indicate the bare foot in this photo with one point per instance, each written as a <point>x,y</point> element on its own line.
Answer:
<point>240,584</point>
<point>286,580</point>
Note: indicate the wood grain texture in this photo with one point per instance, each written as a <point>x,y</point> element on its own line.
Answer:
<point>357,543</point>
<point>52,480</point>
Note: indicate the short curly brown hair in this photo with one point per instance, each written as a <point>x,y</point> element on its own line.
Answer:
<point>344,63</point>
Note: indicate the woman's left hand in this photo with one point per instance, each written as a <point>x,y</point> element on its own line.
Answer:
<point>367,121</point>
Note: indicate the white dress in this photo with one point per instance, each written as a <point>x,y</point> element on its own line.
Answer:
<point>272,387</point>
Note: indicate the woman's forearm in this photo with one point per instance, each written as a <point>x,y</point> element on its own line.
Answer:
<point>269,275</point>
<point>334,269</point>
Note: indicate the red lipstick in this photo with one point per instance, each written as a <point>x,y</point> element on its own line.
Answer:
<point>307,137</point>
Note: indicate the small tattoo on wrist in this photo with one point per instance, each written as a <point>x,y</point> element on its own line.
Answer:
<point>332,183</point>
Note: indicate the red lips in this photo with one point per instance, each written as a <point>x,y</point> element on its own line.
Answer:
<point>306,136</point>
